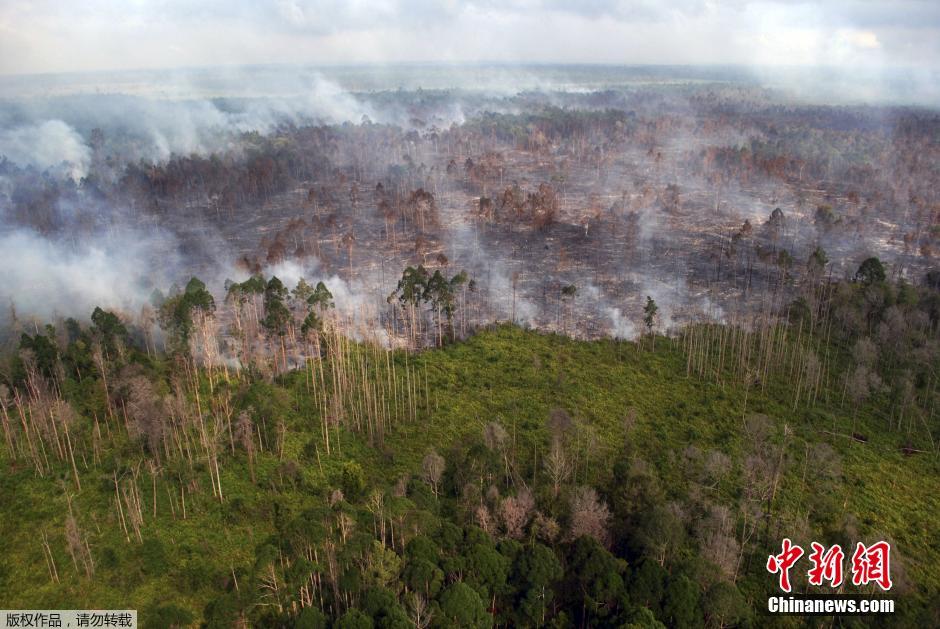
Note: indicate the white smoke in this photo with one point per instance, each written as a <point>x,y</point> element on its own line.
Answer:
<point>329,101</point>
<point>620,326</point>
<point>509,303</point>
<point>46,278</point>
<point>47,132</point>
<point>358,303</point>
<point>51,144</point>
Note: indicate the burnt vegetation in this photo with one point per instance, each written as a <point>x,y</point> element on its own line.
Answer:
<point>579,360</point>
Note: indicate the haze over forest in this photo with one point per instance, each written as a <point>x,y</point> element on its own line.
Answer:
<point>101,205</point>
<point>429,71</point>
<point>413,314</point>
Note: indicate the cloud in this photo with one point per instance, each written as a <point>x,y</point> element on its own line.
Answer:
<point>46,36</point>
<point>859,39</point>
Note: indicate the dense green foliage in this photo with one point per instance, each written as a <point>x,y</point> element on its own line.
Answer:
<point>539,480</point>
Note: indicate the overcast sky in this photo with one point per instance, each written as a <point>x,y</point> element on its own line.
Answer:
<point>77,35</point>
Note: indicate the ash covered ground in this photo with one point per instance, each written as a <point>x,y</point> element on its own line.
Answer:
<point>568,195</point>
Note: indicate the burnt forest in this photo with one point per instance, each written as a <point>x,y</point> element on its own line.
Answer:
<point>473,346</point>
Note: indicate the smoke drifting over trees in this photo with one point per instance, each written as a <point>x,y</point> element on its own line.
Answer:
<point>708,197</point>
<point>253,411</point>
<point>538,340</point>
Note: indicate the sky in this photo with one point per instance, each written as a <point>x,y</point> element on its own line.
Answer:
<point>46,36</point>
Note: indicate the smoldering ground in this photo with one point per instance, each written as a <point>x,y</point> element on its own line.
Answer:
<point>648,205</point>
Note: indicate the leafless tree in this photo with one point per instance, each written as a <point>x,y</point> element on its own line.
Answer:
<point>861,383</point>
<point>433,467</point>
<point>557,465</point>
<point>245,435</point>
<point>717,540</point>
<point>495,436</point>
<point>515,512</point>
<point>77,545</point>
<point>481,515</point>
<point>589,515</point>
<point>146,410</point>
<point>419,612</point>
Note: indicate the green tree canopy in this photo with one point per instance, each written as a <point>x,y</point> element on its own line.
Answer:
<point>649,313</point>
<point>176,312</point>
<point>871,271</point>
<point>461,606</point>
<point>276,314</point>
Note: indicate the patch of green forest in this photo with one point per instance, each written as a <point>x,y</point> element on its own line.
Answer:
<point>513,478</point>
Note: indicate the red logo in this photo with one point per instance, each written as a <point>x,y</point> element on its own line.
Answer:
<point>783,562</point>
<point>869,564</point>
<point>827,566</point>
<point>872,563</point>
